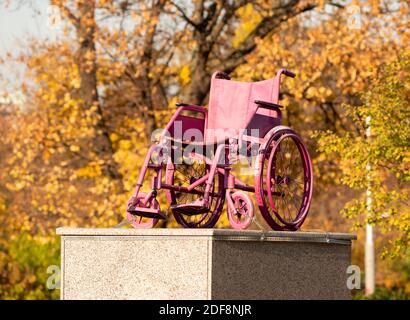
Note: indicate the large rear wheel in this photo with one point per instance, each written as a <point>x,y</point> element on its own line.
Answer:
<point>183,175</point>
<point>284,182</point>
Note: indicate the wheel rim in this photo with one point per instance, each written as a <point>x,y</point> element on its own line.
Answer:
<point>185,174</point>
<point>285,182</point>
<point>241,218</point>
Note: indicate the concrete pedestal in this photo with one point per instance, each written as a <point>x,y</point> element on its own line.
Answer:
<point>203,264</point>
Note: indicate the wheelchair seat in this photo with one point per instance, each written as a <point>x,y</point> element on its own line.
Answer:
<point>195,143</point>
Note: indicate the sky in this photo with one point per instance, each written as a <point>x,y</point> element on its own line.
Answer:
<point>17,24</point>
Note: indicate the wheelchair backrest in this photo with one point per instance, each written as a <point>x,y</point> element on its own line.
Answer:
<point>232,108</point>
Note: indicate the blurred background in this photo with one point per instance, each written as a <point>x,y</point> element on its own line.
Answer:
<point>84,83</point>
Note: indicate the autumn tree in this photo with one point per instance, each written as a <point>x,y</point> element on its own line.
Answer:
<point>378,162</point>
<point>113,73</point>
<point>334,59</point>
<point>71,153</point>
<point>177,45</point>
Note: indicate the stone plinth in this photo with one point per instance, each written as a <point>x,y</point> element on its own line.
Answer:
<point>203,264</point>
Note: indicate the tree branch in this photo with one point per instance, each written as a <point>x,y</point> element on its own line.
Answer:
<point>184,15</point>
<point>236,56</point>
<point>73,19</point>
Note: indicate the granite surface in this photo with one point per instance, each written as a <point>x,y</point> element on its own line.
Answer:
<point>203,264</point>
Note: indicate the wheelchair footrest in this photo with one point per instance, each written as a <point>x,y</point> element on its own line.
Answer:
<point>190,209</point>
<point>147,212</point>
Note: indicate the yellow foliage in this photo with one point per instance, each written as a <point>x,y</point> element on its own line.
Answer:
<point>52,162</point>
<point>90,171</point>
<point>114,137</point>
<point>74,148</point>
<point>185,75</point>
<point>249,19</point>
<point>125,144</point>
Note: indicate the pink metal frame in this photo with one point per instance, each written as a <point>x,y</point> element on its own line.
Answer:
<point>231,182</point>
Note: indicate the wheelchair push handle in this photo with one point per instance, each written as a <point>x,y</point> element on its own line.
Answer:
<point>289,73</point>
<point>286,72</point>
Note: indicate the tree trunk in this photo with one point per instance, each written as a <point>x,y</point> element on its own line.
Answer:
<point>198,88</point>
<point>86,59</point>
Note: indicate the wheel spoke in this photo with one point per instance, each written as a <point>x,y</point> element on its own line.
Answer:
<point>184,175</point>
<point>288,210</point>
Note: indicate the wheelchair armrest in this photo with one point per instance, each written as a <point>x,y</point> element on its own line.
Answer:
<point>181,104</point>
<point>268,105</point>
<point>191,107</point>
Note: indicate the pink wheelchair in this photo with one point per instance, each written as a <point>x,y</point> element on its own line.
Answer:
<point>193,160</point>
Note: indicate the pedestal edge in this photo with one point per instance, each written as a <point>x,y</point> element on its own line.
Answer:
<point>216,234</point>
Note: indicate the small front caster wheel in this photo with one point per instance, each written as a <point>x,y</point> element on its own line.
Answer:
<point>241,216</point>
